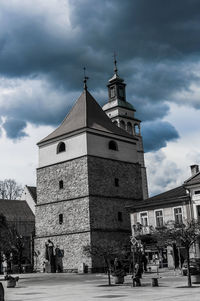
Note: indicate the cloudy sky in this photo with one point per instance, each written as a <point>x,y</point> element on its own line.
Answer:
<point>44,46</point>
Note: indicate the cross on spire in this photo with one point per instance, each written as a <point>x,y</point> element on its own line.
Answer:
<point>85,79</point>
<point>115,62</point>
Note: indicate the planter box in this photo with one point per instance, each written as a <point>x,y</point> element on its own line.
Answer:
<point>195,278</point>
<point>11,283</point>
<point>119,279</point>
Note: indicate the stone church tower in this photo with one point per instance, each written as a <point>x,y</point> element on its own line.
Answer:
<point>89,170</point>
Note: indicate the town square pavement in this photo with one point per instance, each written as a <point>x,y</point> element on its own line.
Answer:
<point>74,287</point>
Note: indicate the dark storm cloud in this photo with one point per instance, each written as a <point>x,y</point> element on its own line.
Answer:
<point>157,41</point>
<point>14,128</point>
<point>156,134</point>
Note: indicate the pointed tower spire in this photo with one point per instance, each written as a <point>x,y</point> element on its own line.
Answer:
<point>115,63</point>
<point>85,79</point>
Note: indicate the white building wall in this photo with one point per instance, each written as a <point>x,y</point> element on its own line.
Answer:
<point>98,146</point>
<point>168,215</point>
<point>26,196</point>
<point>76,146</point>
<point>87,143</point>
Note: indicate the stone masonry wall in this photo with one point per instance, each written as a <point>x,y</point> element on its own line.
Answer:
<point>73,250</point>
<point>102,174</point>
<point>75,217</point>
<point>104,214</point>
<point>74,175</point>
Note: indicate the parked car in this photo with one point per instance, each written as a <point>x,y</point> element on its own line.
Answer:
<point>194,266</point>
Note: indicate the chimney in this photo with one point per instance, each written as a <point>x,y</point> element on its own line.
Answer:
<point>194,169</point>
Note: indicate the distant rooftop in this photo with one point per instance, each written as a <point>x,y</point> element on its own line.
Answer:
<point>16,210</point>
<point>33,192</point>
<point>177,194</point>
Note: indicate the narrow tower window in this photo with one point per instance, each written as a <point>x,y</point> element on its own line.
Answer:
<point>116,182</point>
<point>61,147</point>
<point>120,218</point>
<point>112,92</point>
<point>121,92</point>
<point>61,184</point>
<point>113,145</point>
<point>61,219</point>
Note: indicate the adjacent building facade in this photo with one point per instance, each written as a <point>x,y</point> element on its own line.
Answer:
<point>89,170</point>
<point>29,194</point>
<point>179,204</point>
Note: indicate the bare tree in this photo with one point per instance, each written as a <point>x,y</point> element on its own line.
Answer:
<point>11,241</point>
<point>107,252</point>
<point>10,189</point>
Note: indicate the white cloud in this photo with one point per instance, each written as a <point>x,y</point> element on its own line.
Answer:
<point>19,160</point>
<point>170,166</point>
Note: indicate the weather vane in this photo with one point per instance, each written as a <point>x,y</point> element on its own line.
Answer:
<point>115,62</point>
<point>85,78</point>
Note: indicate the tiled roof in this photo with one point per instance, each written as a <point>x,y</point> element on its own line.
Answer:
<point>162,199</point>
<point>15,210</point>
<point>193,180</point>
<point>33,192</point>
<point>86,113</point>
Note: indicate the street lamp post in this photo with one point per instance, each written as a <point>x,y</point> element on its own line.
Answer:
<point>134,243</point>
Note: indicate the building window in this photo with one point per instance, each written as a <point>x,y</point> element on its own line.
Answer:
<point>112,92</point>
<point>61,219</point>
<point>159,218</point>
<point>129,128</point>
<point>121,91</point>
<point>197,192</point>
<point>61,147</point>
<point>61,184</point>
<point>116,182</point>
<point>136,129</point>
<point>178,215</point>
<point>120,219</point>
<point>113,145</point>
<point>144,219</point>
<point>122,124</point>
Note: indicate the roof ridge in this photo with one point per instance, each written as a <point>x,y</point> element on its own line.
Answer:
<point>192,177</point>
<point>167,191</point>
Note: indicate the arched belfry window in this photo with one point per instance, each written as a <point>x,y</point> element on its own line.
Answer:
<point>137,129</point>
<point>129,128</point>
<point>113,145</point>
<point>61,147</point>
<point>122,124</point>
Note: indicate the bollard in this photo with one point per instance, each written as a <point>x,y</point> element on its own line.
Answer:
<point>154,281</point>
<point>1,292</point>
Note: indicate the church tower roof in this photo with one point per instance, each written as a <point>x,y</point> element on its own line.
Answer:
<point>86,114</point>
